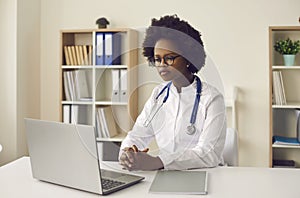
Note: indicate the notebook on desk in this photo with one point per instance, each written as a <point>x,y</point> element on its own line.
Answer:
<point>66,154</point>
<point>180,182</point>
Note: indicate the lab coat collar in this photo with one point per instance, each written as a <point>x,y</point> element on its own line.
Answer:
<point>188,88</point>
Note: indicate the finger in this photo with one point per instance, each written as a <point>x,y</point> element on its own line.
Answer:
<point>126,164</point>
<point>128,149</point>
<point>123,156</point>
<point>129,156</point>
<point>135,148</point>
<point>145,150</point>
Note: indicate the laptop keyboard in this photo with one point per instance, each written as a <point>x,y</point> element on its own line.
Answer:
<point>109,184</point>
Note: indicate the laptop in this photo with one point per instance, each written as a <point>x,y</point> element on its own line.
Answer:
<point>66,154</point>
<point>180,182</point>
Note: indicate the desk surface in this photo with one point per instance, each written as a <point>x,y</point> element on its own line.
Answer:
<point>226,182</point>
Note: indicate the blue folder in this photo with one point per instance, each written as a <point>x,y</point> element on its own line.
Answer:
<point>112,48</point>
<point>280,140</point>
<point>99,48</point>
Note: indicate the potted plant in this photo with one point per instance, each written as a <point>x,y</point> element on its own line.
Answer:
<point>288,49</point>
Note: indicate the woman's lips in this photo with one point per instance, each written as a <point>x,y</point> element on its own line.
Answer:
<point>163,72</point>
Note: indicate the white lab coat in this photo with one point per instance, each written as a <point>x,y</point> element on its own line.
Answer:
<point>177,149</point>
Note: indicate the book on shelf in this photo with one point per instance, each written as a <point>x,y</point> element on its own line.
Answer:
<point>70,55</point>
<point>90,55</point>
<point>78,55</point>
<point>284,164</point>
<point>74,55</point>
<point>81,114</point>
<point>76,87</point>
<point>297,112</point>
<point>281,140</point>
<point>105,123</point>
<point>279,97</point>
<point>81,86</point>
<point>85,55</point>
<point>66,53</point>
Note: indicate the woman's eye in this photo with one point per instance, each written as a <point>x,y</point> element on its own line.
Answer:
<point>157,60</point>
<point>169,58</point>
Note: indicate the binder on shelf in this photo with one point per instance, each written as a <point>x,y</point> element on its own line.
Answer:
<point>71,85</point>
<point>115,85</point>
<point>74,114</point>
<point>66,87</point>
<point>280,140</point>
<point>112,49</point>
<point>99,48</point>
<point>81,114</point>
<point>123,85</point>
<point>98,124</point>
<point>66,113</point>
<point>81,85</point>
<point>284,164</point>
<point>106,123</point>
<point>108,48</point>
<point>297,111</point>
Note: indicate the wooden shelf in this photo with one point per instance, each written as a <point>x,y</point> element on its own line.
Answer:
<point>283,119</point>
<point>98,81</point>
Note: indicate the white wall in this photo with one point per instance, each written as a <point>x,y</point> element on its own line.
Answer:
<point>8,62</point>
<point>235,35</point>
<point>20,73</point>
<point>28,64</point>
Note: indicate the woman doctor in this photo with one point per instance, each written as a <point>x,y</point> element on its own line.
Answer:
<point>185,115</point>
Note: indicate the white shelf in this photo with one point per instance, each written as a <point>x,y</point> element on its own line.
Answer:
<point>77,102</point>
<point>285,67</point>
<point>77,67</point>
<point>110,103</point>
<point>111,66</point>
<point>286,146</point>
<point>289,105</point>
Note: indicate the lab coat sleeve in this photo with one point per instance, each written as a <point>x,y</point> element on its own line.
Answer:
<point>208,151</point>
<point>140,135</point>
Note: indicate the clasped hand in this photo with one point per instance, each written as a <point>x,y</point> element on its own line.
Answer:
<point>134,159</point>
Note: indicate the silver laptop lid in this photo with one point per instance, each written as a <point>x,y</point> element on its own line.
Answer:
<point>64,154</point>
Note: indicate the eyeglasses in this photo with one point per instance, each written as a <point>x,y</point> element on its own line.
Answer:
<point>168,61</point>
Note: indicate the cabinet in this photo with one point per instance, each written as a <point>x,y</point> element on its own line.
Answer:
<point>88,83</point>
<point>283,117</point>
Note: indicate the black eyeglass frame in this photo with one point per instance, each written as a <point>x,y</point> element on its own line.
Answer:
<point>168,61</point>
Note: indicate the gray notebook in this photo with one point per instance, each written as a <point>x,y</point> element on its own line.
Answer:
<point>180,182</point>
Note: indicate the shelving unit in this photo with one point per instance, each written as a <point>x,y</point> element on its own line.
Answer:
<point>99,80</point>
<point>283,121</point>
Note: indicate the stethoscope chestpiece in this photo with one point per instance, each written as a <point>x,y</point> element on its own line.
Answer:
<point>191,129</point>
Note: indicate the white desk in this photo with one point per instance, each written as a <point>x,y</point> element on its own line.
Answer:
<point>223,182</point>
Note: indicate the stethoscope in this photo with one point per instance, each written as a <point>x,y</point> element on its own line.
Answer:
<point>191,129</point>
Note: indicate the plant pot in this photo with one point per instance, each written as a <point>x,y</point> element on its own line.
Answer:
<point>289,59</point>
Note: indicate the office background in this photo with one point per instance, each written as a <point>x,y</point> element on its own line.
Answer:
<point>235,34</point>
